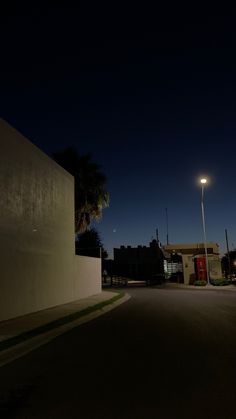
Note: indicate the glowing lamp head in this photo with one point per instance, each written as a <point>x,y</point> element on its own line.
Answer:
<point>203,181</point>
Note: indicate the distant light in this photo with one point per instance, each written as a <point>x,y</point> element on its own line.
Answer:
<point>34,230</point>
<point>203,180</point>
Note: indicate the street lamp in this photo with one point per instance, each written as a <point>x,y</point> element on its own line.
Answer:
<point>203,183</point>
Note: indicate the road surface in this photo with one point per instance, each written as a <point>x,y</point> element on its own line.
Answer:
<point>166,353</point>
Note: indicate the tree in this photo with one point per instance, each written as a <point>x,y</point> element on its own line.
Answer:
<point>89,243</point>
<point>91,195</point>
<point>226,268</point>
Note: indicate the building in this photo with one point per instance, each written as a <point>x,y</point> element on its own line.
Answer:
<point>141,262</point>
<point>192,258</point>
<point>39,268</point>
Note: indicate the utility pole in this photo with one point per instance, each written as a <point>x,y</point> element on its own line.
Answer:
<point>167,228</point>
<point>227,244</point>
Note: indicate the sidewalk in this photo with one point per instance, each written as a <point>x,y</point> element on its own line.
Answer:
<point>16,331</point>
<point>206,287</point>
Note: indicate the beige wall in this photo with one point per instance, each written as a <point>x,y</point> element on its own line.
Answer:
<point>187,251</point>
<point>37,255</point>
<point>88,278</point>
<point>178,247</point>
<point>215,271</point>
<point>188,267</point>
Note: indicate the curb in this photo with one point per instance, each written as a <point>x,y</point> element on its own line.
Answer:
<point>23,344</point>
<point>202,288</point>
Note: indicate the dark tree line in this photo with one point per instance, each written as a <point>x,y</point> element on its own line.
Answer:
<point>89,243</point>
<point>228,263</point>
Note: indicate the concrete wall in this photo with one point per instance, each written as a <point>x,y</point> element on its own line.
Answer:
<point>88,277</point>
<point>37,253</point>
<point>215,271</point>
<point>192,248</point>
<point>188,251</point>
<point>188,268</point>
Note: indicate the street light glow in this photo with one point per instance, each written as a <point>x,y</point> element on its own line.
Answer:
<point>203,181</point>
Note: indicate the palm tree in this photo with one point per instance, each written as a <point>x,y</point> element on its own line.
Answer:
<point>91,195</point>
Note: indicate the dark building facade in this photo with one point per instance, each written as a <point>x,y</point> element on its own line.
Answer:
<point>142,262</point>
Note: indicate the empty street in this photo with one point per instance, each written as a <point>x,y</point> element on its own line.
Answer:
<point>166,353</point>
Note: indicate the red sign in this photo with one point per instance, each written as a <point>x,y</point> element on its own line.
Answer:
<point>201,269</point>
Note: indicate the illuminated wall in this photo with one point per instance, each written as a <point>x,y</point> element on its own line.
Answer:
<point>37,255</point>
<point>88,279</point>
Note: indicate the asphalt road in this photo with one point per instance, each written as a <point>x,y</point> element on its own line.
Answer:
<point>164,354</point>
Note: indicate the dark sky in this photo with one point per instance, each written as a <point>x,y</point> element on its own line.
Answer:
<point>150,92</point>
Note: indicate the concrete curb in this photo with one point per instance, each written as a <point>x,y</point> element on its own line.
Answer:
<point>204,288</point>
<point>14,352</point>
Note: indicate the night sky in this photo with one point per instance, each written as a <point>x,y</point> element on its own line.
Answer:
<point>149,92</point>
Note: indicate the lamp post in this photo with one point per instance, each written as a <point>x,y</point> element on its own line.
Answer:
<point>203,183</point>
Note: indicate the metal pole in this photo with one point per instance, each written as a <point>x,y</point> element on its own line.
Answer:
<point>204,232</point>
<point>167,228</point>
<point>227,244</point>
